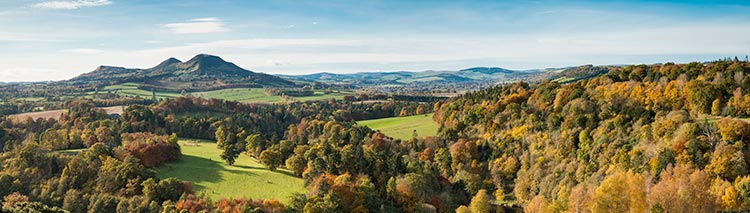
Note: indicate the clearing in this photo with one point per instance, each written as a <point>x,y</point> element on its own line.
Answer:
<point>403,127</point>
<point>207,173</point>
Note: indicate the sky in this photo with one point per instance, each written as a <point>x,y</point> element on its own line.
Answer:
<point>58,39</point>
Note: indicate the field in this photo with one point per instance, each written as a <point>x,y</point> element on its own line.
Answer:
<point>131,89</point>
<point>201,165</point>
<point>403,127</point>
<point>236,94</point>
<point>57,113</point>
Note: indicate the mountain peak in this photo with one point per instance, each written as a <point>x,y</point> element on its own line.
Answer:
<point>205,57</point>
<point>167,63</point>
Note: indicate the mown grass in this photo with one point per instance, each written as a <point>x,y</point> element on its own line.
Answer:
<point>403,127</point>
<point>203,168</point>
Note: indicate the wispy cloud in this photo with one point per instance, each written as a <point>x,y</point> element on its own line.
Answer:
<point>198,25</point>
<point>71,5</point>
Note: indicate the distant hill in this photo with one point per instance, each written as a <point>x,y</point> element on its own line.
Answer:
<point>407,77</point>
<point>202,72</point>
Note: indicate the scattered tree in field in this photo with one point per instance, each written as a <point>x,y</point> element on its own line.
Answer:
<point>271,158</point>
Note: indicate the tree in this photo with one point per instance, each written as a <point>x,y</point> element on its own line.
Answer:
<point>481,202</point>
<point>733,130</point>
<point>463,209</point>
<point>2,139</point>
<point>226,140</point>
<point>14,198</point>
<point>537,204</point>
<point>670,195</point>
<point>106,135</point>
<point>727,161</point>
<point>74,201</point>
<point>700,95</point>
<point>742,185</point>
<point>716,107</point>
<point>166,189</point>
<point>255,144</point>
<point>621,192</point>
<point>103,203</point>
<point>271,158</point>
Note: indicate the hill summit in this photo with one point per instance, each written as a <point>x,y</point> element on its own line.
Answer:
<point>202,72</point>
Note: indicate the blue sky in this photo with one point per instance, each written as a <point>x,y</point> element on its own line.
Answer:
<point>59,39</point>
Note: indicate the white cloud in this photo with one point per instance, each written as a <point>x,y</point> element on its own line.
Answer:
<point>71,5</point>
<point>198,25</point>
<point>85,51</point>
<point>423,52</point>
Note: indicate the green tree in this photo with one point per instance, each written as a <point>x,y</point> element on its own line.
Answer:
<point>103,203</point>
<point>255,144</point>
<point>271,158</point>
<point>226,140</point>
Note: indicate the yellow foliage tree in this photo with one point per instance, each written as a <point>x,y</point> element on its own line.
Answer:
<point>621,192</point>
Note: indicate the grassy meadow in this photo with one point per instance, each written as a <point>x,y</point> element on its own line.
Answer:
<point>234,94</point>
<point>403,127</point>
<point>203,168</point>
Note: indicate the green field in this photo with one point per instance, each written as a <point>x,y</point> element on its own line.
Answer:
<point>236,94</point>
<point>403,127</point>
<point>203,168</point>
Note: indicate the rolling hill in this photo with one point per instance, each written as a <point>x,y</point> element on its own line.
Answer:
<point>201,73</point>
<point>407,77</point>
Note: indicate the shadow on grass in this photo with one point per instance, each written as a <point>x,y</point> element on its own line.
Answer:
<point>284,172</point>
<point>247,167</point>
<point>194,170</point>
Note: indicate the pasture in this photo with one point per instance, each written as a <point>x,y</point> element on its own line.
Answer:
<point>247,95</point>
<point>206,171</point>
<point>403,127</point>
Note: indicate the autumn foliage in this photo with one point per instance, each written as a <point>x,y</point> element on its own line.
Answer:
<point>152,150</point>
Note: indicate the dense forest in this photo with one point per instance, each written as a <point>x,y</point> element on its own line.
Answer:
<point>661,138</point>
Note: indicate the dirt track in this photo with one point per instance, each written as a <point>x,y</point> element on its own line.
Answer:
<point>57,113</point>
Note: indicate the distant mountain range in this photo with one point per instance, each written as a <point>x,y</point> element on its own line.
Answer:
<point>202,72</point>
<point>494,74</point>
<point>207,72</point>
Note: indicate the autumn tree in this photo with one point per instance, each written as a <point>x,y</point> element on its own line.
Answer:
<point>481,202</point>
<point>668,194</point>
<point>620,192</point>
<point>727,161</point>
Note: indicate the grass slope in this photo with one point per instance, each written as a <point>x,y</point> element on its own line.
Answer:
<point>403,127</point>
<point>201,165</point>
